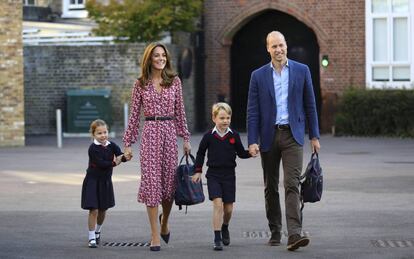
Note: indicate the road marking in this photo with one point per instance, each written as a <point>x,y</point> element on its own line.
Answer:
<point>61,178</point>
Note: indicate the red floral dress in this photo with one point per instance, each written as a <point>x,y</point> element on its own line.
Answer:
<point>158,151</point>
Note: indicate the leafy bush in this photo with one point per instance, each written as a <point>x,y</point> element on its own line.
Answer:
<point>376,113</point>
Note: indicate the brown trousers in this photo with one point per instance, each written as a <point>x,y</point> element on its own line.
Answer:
<point>287,150</point>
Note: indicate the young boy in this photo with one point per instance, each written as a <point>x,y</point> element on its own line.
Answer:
<point>223,144</point>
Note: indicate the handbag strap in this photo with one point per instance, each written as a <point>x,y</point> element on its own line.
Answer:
<point>186,158</point>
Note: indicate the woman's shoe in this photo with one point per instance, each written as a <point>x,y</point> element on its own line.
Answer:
<point>155,248</point>
<point>165,237</point>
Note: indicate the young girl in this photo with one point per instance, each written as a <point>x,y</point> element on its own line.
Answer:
<point>97,189</point>
<point>223,144</point>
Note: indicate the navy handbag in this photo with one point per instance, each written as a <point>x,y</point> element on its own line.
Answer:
<point>311,181</point>
<point>187,192</point>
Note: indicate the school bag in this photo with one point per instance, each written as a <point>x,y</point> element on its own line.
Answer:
<point>187,192</point>
<point>311,185</point>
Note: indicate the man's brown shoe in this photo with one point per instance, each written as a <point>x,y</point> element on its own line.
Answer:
<point>296,241</point>
<point>274,239</point>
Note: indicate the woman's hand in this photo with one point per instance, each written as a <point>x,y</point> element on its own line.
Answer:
<point>187,148</point>
<point>196,177</point>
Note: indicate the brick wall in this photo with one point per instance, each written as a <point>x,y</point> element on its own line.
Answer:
<point>339,27</point>
<point>11,74</point>
<point>52,70</point>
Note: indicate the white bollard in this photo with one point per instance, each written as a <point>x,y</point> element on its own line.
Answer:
<point>125,116</point>
<point>59,128</point>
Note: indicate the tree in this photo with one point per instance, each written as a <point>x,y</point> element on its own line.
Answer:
<point>143,20</point>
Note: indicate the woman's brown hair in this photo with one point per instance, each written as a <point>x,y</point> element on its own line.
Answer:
<point>167,73</point>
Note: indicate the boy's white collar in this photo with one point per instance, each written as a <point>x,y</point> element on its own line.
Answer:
<point>216,130</point>
<point>98,143</point>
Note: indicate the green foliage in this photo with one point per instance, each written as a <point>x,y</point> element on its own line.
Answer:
<point>376,113</point>
<point>143,20</point>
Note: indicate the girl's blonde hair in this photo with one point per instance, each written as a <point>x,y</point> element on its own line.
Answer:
<point>220,106</point>
<point>95,124</point>
<point>167,73</point>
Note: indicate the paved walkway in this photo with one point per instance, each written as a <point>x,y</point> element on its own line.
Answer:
<point>366,212</point>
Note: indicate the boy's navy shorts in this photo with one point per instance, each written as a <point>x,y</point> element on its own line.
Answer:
<point>221,185</point>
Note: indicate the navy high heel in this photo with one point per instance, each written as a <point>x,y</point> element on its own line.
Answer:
<point>165,237</point>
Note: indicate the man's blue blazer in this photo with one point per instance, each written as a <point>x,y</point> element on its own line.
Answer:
<point>261,105</point>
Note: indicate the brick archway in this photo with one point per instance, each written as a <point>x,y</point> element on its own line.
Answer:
<point>226,34</point>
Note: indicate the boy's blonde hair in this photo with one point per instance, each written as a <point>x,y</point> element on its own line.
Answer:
<point>220,106</point>
<point>95,124</point>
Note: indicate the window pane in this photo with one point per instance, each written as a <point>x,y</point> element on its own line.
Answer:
<point>72,1</point>
<point>380,39</point>
<point>400,39</point>
<point>401,74</point>
<point>380,74</point>
<point>400,6</point>
<point>379,6</point>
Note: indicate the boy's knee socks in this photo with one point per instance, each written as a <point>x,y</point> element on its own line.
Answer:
<point>217,235</point>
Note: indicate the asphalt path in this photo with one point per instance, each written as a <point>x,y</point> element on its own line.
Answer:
<point>367,208</point>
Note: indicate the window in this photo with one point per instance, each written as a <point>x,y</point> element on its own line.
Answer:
<point>76,4</point>
<point>389,37</point>
<point>29,2</point>
<point>74,9</point>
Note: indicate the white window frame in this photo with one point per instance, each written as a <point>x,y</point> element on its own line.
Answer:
<point>77,6</point>
<point>369,47</point>
<point>26,3</point>
<point>73,10</point>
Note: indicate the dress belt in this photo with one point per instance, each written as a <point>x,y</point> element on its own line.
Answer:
<point>282,126</point>
<point>159,118</point>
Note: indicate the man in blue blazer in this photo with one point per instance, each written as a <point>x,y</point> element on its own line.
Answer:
<point>280,99</point>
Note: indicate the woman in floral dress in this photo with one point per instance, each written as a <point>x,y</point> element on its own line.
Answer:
<point>158,94</point>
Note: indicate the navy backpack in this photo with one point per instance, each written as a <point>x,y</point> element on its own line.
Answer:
<point>187,192</point>
<point>311,181</point>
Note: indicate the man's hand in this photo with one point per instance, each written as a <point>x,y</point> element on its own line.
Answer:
<point>315,146</point>
<point>254,150</point>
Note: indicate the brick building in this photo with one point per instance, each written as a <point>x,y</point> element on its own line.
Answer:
<point>367,44</point>
<point>11,74</point>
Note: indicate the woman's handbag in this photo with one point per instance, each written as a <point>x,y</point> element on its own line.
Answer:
<point>187,192</point>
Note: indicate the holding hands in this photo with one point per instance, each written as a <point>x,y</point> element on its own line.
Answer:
<point>254,150</point>
<point>128,153</point>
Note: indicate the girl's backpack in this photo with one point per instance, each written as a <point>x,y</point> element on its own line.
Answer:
<point>187,192</point>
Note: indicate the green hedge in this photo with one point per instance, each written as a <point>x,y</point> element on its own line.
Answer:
<point>376,113</point>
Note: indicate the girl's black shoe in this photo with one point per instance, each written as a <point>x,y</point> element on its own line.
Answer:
<point>98,237</point>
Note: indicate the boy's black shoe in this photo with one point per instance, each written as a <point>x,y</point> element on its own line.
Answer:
<point>217,246</point>
<point>98,237</point>
<point>225,235</point>
<point>296,241</point>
